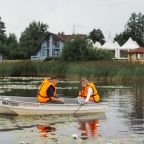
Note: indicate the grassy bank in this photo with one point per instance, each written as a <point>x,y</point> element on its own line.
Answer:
<point>109,70</point>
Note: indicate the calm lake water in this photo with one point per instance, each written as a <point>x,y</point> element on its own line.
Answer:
<point>123,122</point>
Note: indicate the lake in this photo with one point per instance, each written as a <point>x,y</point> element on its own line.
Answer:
<point>123,122</point>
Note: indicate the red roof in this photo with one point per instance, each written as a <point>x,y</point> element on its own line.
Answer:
<point>138,50</point>
<point>65,37</point>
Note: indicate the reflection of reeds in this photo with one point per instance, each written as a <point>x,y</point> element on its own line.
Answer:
<point>108,70</point>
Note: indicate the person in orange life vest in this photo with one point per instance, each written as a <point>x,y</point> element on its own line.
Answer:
<point>88,93</point>
<point>47,91</point>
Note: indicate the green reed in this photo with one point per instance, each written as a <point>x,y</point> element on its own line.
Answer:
<point>107,69</point>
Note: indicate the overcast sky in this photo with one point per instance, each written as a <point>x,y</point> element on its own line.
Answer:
<point>62,15</point>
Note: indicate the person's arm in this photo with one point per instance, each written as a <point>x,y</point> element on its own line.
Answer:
<point>90,93</point>
<point>56,99</point>
<point>51,96</point>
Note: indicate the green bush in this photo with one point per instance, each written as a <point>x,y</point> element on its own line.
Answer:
<point>80,49</point>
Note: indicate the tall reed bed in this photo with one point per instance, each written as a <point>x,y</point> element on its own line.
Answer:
<point>106,69</point>
<point>5,69</point>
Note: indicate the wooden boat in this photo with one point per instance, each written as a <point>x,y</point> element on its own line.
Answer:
<point>29,106</point>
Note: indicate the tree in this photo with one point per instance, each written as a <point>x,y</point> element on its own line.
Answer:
<point>121,38</point>
<point>134,29</point>
<point>31,37</point>
<point>12,45</point>
<point>2,37</point>
<point>97,35</point>
<point>79,49</point>
<point>75,49</point>
<point>2,31</point>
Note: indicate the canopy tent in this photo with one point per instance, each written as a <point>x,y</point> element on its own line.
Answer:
<point>109,45</point>
<point>116,44</point>
<point>130,44</point>
<point>136,44</point>
<point>97,45</point>
<point>112,46</point>
<point>117,52</point>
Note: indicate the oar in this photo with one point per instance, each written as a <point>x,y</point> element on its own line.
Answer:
<point>81,103</point>
<point>78,109</point>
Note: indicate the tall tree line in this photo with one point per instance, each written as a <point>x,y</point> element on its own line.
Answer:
<point>35,32</point>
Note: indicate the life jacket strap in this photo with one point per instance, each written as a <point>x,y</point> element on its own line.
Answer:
<point>41,95</point>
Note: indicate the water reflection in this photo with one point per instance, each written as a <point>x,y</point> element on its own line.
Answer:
<point>48,129</point>
<point>139,101</point>
<point>45,129</point>
<point>89,128</point>
<point>137,115</point>
<point>124,118</point>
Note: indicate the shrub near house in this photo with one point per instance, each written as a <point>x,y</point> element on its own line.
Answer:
<point>79,49</point>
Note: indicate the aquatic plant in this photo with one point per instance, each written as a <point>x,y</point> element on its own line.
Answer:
<point>111,70</point>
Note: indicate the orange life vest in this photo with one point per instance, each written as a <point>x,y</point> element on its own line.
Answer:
<point>42,93</point>
<point>95,97</point>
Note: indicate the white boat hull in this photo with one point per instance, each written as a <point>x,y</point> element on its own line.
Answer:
<point>34,108</point>
<point>6,110</point>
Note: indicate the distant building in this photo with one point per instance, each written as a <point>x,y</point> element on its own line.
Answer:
<point>126,47</point>
<point>111,46</point>
<point>136,55</point>
<point>67,37</point>
<point>119,52</point>
<point>51,47</point>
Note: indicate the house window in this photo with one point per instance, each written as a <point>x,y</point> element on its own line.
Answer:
<point>56,42</point>
<point>123,54</point>
<point>141,56</point>
<point>47,52</point>
<point>44,51</point>
<point>56,52</point>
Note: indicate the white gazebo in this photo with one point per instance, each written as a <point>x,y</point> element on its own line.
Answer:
<point>112,46</point>
<point>129,45</point>
<point>117,46</point>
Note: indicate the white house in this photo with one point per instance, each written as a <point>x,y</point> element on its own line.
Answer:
<point>51,47</point>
